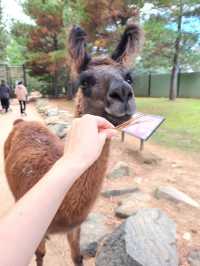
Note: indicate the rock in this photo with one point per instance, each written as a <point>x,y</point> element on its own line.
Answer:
<point>59,129</point>
<point>42,108</point>
<point>174,194</point>
<point>131,204</point>
<point>42,102</point>
<point>138,179</point>
<point>120,169</point>
<point>92,231</point>
<point>52,120</point>
<point>52,112</point>
<point>187,236</point>
<point>194,258</point>
<point>118,192</point>
<point>34,96</point>
<point>147,238</point>
<point>150,158</point>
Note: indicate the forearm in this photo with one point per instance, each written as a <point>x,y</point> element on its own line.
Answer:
<point>28,221</point>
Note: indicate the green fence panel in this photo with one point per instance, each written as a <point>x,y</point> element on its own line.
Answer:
<point>160,84</point>
<point>141,85</point>
<point>189,86</point>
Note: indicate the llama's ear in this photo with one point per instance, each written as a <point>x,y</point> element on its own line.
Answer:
<point>77,48</point>
<point>129,45</point>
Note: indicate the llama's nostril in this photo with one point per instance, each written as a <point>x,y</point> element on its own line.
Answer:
<point>130,95</point>
<point>116,96</point>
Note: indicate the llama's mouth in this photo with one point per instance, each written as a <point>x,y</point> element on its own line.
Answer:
<point>117,120</point>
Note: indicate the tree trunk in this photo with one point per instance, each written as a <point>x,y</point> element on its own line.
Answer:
<point>175,68</point>
<point>55,85</point>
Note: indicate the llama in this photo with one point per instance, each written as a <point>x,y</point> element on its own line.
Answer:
<point>31,149</point>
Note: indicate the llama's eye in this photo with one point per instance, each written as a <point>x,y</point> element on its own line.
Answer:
<point>128,78</point>
<point>87,81</point>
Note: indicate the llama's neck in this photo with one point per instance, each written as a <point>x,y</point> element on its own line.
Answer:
<point>79,104</point>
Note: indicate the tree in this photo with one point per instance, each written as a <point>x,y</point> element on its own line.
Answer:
<point>17,46</point>
<point>168,46</point>
<point>176,15</point>
<point>175,67</point>
<point>46,43</point>
<point>3,38</point>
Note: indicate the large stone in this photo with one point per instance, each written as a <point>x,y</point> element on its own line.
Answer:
<point>92,231</point>
<point>120,169</point>
<point>171,193</point>
<point>52,112</point>
<point>52,120</point>
<point>194,258</point>
<point>129,205</point>
<point>118,192</point>
<point>147,238</point>
<point>59,129</point>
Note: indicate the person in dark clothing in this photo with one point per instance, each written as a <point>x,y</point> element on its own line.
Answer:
<point>4,96</point>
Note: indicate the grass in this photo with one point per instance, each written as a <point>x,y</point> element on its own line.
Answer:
<point>182,126</point>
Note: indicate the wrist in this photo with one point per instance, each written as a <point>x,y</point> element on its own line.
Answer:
<point>72,167</point>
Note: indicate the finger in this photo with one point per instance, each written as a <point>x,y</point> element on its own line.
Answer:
<point>103,123</point>
<point>110,133</point>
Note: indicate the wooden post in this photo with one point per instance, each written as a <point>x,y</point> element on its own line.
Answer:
<point>123,136</point>
<point>141,145</point>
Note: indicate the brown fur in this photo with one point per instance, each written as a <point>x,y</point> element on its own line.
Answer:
<point>30,151</point>
<point>44,149</point>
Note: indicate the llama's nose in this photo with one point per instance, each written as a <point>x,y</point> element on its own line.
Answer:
<point>120,99</point>
<point>121,92</point>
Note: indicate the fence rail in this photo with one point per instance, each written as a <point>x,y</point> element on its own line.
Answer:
<point>157,85</point>
<point>11,74</point>
<point>146,85</point>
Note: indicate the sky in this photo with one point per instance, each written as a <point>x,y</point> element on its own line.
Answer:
<point>13,10</point>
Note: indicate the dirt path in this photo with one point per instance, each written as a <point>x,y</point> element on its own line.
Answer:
<point>176,168</point>
<point>57,248</point>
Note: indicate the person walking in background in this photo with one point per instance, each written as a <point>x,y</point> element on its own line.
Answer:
<point>4,95</point>
<point>21,94</point>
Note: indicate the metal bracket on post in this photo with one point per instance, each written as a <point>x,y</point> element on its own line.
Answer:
<point>141,145</point>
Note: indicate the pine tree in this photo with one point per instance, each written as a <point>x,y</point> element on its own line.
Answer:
<point>46,42</point>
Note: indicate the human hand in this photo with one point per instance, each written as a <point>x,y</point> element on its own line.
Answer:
<point>86,139</point>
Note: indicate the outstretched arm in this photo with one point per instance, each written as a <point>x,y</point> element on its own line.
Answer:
<point>25,225</point>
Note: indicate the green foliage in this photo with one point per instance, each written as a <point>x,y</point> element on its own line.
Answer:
<point>74,12</point>
<point>157,52</point>
<point>159,48</point>
<point>34,83</point>
<point>3,38</point>
<point>46,54</point>
<point>15,53</point>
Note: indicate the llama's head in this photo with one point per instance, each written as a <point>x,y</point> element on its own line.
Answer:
<point>106,83</point>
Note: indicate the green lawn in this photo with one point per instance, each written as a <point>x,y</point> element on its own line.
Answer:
<point>182,126</point>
